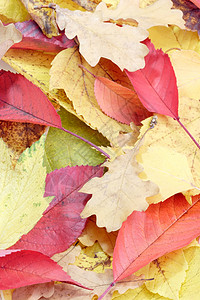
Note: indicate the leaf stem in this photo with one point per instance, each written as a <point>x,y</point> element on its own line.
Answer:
<point>107,290</point>
<point>197,144</point>
<point>86,141</point>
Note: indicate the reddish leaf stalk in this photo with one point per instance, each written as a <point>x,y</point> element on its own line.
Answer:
<point>107,290</point>
<point>86,141</point>
<point>196,143</point>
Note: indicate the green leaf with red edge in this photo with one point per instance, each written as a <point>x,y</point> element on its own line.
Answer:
<point>22,101</point>
<point>119,102</point>
<point>23,267</point>
<point>156,84</point>
<point>162,228</point>
<point>61,223</point>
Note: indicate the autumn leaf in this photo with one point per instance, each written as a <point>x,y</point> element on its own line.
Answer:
<point>22,189</point>
<point>119,102</point>
<point>160,93</point>
<point>15,93</point>
<point>138,244</point>
<point>9,35</point>
<point>8,14</point>
<point>117,194</point>
<point>34,39</point>
<point>61,223</point>
<point>24,267</point>
<point>35,291</point>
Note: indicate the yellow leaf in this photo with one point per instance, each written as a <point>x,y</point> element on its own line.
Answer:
<point>91,233</point>
<point>35,66</point>
<point>8,36</point>
<point>186,65</point>
<point>79,87</point>
<point>118,193</point>
<point>21,198</point>
<point>99,39</point>
<point>158,13</point>
<point>168,169</point>
<point>13,11</point>
<point>169,134</point>
<point>169,272</point>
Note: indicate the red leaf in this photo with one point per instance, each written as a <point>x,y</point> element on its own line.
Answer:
<point>22,101</point>
<point>21,268</point>
<point>34,39</point>
<point>162,228</point>
<point>61,223</point>
<point>119,102</point>
<point>155,84</point>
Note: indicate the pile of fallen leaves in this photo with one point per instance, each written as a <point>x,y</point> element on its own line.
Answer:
<point>100,149</point>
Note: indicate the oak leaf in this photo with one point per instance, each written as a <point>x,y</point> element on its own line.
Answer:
<point>8,36</point>
<point>22,202</point>
<point>98,39</point>
<point>118,192</point>
<point>158,13</point>
<point>34,292</point>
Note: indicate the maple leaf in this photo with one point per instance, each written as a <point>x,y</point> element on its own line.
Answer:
<point>34,39</point>
<point>158,13</point>
<point>98,39</point>
<point>22,202</point>
<point>61,223</point>
<point>117,194</point>
<point>8,35</point>
<point>137,244</point>
<point>24,267</point>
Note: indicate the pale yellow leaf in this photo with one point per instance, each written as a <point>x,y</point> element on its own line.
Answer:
<point>98,39</point>
<point>34,292</point>
<point>186,65</point>
<point>169,134</point>
<point>79,87</point>
<point>9,35</point>
<point>168,169</point>
<point>118,193</point>
<point>21,192</point>
<point>158,13</point>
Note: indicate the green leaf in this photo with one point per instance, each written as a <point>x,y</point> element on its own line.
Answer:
<point>63,149</point>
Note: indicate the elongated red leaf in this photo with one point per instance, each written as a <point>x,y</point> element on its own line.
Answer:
<point>119,102</point>
<point>162,228</point>
<point>21,268</point>
<point>22,101</point>
<point>156,84</point>
<point>61,223</point>
<point>34,39</point>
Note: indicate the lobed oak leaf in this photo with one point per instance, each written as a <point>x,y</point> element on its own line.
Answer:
<point>34,39</point>
<point>157,13</point>
<point>8,36</point>
<point>98,39</point>
<point>145,236</point>
<point>15,93</point>
<point>118,192</point>
<point>79,87</point>
<point>34,291</point>
<point>119,102</point>
<point>23,267</point>
<point>61,223</point>
<point>22,202</point>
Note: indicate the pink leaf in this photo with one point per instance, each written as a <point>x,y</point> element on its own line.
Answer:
<point>162,228</point>
<point>119,102</point>
<point>21,268</point>
<point>34,39</point>
<point>196,2</point>
<point>61,223</point>
<point>22,101</point>
<point>155,84</point>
